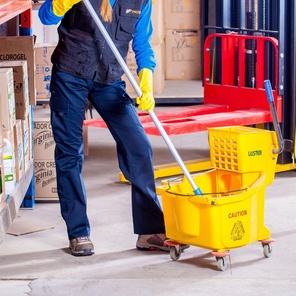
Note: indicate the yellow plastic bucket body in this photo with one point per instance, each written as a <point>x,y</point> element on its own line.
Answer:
<point>243,149</point>
<point>230,214</point>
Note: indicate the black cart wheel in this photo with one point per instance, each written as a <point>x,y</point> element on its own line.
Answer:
<point>221,263</point>
<point>175,252</point>
<point>267,250</point>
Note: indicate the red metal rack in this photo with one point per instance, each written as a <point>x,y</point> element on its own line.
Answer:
<point>229,102</point>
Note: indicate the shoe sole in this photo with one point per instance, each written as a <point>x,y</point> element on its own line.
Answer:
<point>152,249</point>
<point>86,252</point>
<point>144,247</point>
<point>147,247</point>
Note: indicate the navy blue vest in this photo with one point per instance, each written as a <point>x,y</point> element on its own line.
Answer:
<point>82,50</point>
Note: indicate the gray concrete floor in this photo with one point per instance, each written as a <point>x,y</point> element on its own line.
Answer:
<point>39,263</point>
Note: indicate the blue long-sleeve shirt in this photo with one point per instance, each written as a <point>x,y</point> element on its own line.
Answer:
<point>141,41</point>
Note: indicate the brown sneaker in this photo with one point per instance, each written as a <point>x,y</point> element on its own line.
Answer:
<point>81,246</point>
<point>154,242</point>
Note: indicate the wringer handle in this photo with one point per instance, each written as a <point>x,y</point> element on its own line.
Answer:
<point>274,116</point>
<point>135,85</point>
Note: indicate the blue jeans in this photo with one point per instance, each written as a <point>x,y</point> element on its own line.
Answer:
<point>68,102</point>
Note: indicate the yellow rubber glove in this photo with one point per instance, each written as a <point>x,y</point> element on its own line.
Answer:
<point>146,102</point>
<point>60,7</point>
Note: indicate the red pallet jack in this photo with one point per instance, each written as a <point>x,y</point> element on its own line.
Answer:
<point>227,103</point>
<point>230,102</point>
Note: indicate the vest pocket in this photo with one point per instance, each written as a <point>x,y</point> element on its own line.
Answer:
<point>125,31</point>
<point>114,72</point>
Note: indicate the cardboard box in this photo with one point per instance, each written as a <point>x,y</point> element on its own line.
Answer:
<point>8,101</point>
<point>159,72</point>
<point>8,167</point>
<point>85,140</point>
<point>182,14</point>
<point>43,70</point>
<point>43,33</point>
<point>0,121</point>
<point>44,143</point>
<point>45,179</point>
<point>183,55</point>
<point>16,48</point>
<point>158,21</point>
<point>1,131</point>
<point>26,141</point>
<point>2,185</point>
<point>19,150</point>
<point>9,135</point>
<point>21,90</point>
<point>44,164</point>
<point>31,135</point>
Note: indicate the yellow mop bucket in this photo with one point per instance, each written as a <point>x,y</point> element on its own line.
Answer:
<point>230,213</point>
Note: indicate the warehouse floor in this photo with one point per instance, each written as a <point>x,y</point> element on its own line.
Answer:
<point>39,262</point>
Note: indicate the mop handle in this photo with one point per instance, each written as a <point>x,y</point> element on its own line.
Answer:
<point>276,124</point>
<point>135,85</point>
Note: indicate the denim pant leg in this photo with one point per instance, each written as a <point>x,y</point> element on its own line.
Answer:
<point>134,154</point>
<point>68,101</point>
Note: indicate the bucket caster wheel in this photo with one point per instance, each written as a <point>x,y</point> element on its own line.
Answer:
<point>175,252</point>
<point>267,250</point>
<point>222,259</point>
<point>221,263</point>
<point>267,247</point>
<point>175,249</point>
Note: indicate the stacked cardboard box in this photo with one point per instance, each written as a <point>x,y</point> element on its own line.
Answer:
<point>46,41</point>
<point>22,62</point>
<point>158,77</point>
<point>157,42</point>
<point>182,14</point>
<point>43,70</point>
<point>21,48</point>
<point>44,164</point>
<point>21,90</point>
<point>176,41</point>
<point>27,140</point>
<point>183,40</point>
<point>9,135</point>
<point>2,186</point>
<point>7,114</point>
<point>17,56</point>
<point>15,108</point>
<point>8,99</point>
<point>43,33</point>
<point>19,150</point>
<point>7,105</point>
<point>183,54</point>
